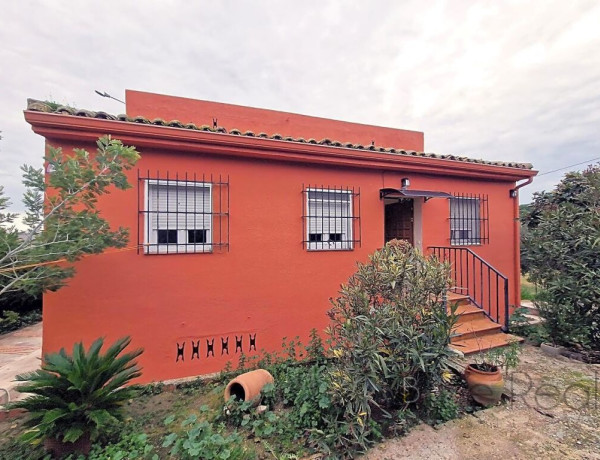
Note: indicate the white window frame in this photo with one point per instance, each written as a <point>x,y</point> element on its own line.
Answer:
<point>472,223</point>
<point>151,245</point>
<point>348,221</point>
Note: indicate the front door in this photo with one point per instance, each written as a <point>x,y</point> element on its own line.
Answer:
<point>399,219</point>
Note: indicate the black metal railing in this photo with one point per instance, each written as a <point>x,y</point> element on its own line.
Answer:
<point>472,276</point>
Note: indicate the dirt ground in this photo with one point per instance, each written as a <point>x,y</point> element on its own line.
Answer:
<point>554,414</point>
<point>20,352</point>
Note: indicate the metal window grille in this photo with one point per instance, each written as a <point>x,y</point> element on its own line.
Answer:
<point>331,218</point>
<point>182,213</point>
<point>469,223</point>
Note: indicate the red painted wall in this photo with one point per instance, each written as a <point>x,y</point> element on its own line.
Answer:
<point>267,284</point>
<point>257,120</point>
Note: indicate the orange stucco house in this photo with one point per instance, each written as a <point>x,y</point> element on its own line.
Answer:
<point>245,222</point>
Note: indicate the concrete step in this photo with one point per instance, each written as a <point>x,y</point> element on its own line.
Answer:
<point>453,297</point>
<point>474,331</point>
<point>475,328</point>
<point>469,312</point>
<point>478,344</point>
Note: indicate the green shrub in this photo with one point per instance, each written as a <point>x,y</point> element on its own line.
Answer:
<point>298,404</point>
<point>441,406</point>
<point>561,248</point>
<point>78,394</point>
<point>519,324</point>
<point>389,333</point>
<point>130,445</point>
<point>304,388</point>
<point>11,320</point>
<point>200,439</point>
<point>303,401</point>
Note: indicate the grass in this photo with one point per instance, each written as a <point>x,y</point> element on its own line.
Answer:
<point>528,289</point>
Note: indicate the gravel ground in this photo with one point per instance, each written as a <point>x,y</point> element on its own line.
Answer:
<point>554,414</point>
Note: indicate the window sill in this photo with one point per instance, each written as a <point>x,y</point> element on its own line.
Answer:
<point>176,250</point>
<point>332,249</point>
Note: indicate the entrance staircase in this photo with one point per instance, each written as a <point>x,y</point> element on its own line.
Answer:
<point>482,295</point>
<point>474,331</point>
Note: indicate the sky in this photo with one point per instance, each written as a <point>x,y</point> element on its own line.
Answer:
<point>498,80</point>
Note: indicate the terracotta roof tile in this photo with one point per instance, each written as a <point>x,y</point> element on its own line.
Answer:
<point>40,106</point>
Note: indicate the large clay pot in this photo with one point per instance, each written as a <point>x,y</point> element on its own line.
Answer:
<point>247,387</point>
<point>61,449</point>
<point>486,387</point>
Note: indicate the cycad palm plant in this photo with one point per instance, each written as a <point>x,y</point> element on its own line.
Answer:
<point>73,396</point>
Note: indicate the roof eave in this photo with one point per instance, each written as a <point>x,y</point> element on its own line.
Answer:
<point>60,126</point>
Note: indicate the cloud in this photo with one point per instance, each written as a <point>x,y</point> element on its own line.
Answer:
<point>496,80</point>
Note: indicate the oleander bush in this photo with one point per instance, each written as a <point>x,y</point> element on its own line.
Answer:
<point>389,334</point>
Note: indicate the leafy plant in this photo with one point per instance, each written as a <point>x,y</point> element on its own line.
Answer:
<point>131,445</point>
<point>78,394</point>
<point>389,333</point>
<point>561,249</point>
<point>301,395</point>
<point>200,439</point>
<point>152,389</point>
<point>12,320</point>
<point>9,319</point>
<point>506,357</point>
<point>315,351</point>
<point>519,324</point>
<point>63,223</point>
<point>305,388</point>
<point>441,406</point>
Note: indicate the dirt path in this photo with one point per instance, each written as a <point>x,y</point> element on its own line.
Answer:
<point>555,414</point>
<point>20,351</point>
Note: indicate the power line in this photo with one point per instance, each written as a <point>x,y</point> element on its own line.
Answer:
<point>567,167</point>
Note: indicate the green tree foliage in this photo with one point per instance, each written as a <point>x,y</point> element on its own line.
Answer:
<point>389,335</point>
<point>524,211</point>
<point>78,394</point>
<point>61,216</point>
<point>561,248</point>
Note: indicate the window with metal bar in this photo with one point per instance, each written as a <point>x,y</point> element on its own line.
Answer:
<point>183,215</point>
<point>469,224</point>
<point>330,218</point>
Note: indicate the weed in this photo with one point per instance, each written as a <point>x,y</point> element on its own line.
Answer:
<point>201,439</point>
<point>441,406</point>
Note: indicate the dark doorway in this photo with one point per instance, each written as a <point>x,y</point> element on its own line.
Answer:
<point>399,221</point>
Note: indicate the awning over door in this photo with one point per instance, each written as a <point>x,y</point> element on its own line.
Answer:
<point>405,193</point>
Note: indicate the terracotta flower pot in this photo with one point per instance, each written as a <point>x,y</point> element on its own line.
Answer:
<point>486,387</point>
<point>61,449</point>
<point>247,387</point>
